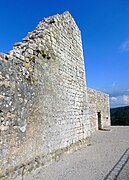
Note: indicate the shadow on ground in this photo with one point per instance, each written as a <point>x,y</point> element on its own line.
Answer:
<point>119,166</point>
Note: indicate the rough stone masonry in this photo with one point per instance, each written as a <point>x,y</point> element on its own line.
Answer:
<point>45,108</point>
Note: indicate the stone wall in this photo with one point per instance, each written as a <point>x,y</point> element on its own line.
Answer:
<point>43,102</point>
<point>98,106</point>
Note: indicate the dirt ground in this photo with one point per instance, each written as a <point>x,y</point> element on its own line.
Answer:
<point>107,158</point>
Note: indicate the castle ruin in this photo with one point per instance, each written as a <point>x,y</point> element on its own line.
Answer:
<point>46,109</point>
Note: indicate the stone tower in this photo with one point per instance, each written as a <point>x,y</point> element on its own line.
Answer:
<point>44,106</point>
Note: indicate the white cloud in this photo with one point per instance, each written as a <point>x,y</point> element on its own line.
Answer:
<point>126,99</point>
<point>124,46</point>
<point>122,100</point>
<point>113,98</point>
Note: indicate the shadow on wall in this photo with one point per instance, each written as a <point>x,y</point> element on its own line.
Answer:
<point>118,169</point>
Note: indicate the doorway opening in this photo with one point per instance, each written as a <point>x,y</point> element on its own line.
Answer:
<point>99,120</point>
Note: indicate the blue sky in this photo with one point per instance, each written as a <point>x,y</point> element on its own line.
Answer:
<point>105,33</point>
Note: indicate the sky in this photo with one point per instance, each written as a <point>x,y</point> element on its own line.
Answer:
<point>104,25</point>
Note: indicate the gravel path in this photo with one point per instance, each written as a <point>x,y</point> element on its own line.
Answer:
<point>106,159</point>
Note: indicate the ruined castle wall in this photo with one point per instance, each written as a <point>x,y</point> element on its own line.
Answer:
<point>43,102</point>
<point>98,103</point>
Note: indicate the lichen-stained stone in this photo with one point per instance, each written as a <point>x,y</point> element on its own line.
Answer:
<point>44,110</point>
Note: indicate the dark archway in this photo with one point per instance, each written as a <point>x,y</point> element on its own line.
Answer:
<point>99,120</point>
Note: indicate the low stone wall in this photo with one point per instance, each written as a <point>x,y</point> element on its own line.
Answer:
<point>43,102</point>
<point>98,103</point>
